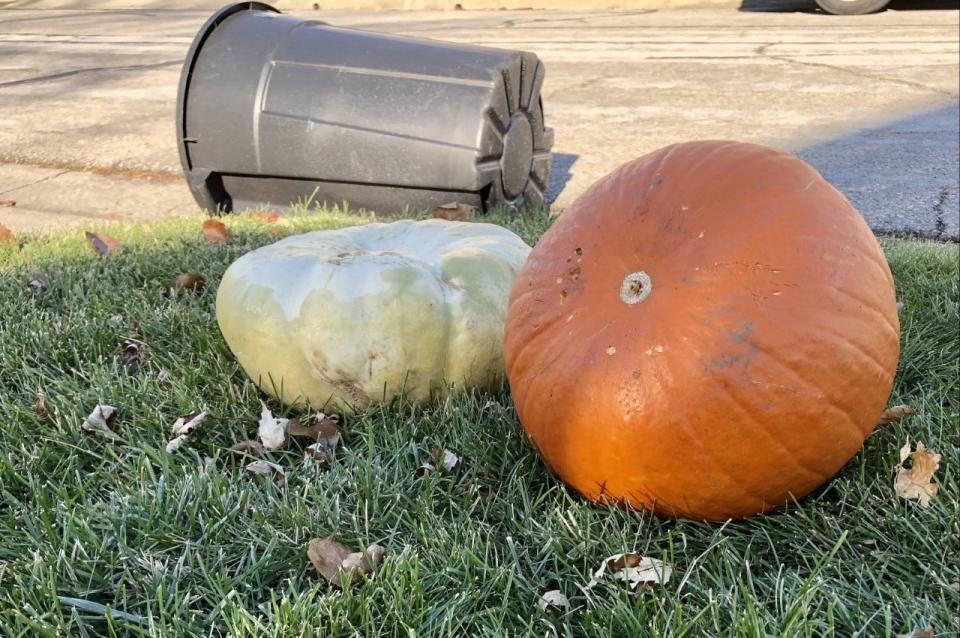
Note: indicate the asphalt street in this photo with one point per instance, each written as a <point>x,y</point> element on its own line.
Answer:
<point>87,100</point>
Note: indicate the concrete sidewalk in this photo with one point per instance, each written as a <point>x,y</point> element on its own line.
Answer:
<point>88,97</point>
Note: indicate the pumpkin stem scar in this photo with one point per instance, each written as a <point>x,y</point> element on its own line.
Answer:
<point>635,287</point>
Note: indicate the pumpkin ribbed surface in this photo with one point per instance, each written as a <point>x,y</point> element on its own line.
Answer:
<point>708,332</point>
<point>342,318</point>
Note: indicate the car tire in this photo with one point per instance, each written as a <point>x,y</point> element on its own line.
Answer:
<point>852,7</point>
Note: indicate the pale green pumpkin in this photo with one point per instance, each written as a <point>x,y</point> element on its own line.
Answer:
<point>344,317</point>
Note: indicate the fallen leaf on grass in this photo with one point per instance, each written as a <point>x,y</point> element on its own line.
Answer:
<point>268,218</point>
<point>325,431</point>
<point>266,468</point>
<point>272,430</point>
<point>102,244</point>
<point>40,407</point>
<point>446,459</point>
<point>247,447</point>
<point>894,414</point>
<point>553,598</point>
<point>926,632</point>
<point>332,559</point>
<point>8,203</point>
<point>183,428</point>
<point>100,422</point>
<point>6,235</point>
<point>187,281</point>
<point>442,458</point>
<point>214,232</point>
<point>633,569</point>
<point>454,211</point>
<point>317,452</point>
<point>132,355</point>
<point>37,284</point>
<point>915,482</point>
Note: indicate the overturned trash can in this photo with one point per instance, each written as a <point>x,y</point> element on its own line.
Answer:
<point>273,110</point>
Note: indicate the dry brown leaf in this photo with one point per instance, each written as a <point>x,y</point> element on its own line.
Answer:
<point>553,598</point>
<point>268,218</point>
<point>296,428</point>
<point>247,447</point>
<point>926,632</point>
<point>363,562</point>
<point>40,407</point>
<point>915,482</point>
<point>325,427</point>
<point>324,431</point>
<point>317,452</point>
<point>183,429</point>
<point>454,211</point>
<point>442,458</point>
<point>266,468</point>
<point>894,414</point>
<point>633,569</point>
<point>272,430</point>
<point>214,232</point>
<point>132,355</point>
<point>189,423</point>
<point>100,422</point>
<point>332,559</point>
<point>37,284</point>
<point>328,431</point>
<point>8,203</point>
<point>188,281</point>
<point>102,244</point>
<point>6,235</point>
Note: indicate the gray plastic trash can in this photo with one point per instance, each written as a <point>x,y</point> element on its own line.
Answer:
<point>273,110</point>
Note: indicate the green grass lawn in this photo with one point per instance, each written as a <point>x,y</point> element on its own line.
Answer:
<point>188,544</point>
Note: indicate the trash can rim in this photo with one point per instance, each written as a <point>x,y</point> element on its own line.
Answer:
<point>187,70</point>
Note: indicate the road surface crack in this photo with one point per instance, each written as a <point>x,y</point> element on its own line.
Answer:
<point>35,182</point>
<point>940,226</point>
<point>762,51</point>
<point>95,69</point>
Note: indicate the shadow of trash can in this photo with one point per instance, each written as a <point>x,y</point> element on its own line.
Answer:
<point>273,110</point>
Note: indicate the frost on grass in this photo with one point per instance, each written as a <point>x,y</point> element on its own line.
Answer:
<point>183,428</point>
<point>100,422</point>
<point>632,569</point>
<point>915,482</point>
<point>272,430</point>
<point>334,560</point>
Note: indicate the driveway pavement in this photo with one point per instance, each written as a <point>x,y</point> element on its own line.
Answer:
<point>88,98</point>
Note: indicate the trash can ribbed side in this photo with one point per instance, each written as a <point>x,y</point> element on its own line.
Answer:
<point>273,110</point>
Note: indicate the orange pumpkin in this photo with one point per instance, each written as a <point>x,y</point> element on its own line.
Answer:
<point>709,332</point>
